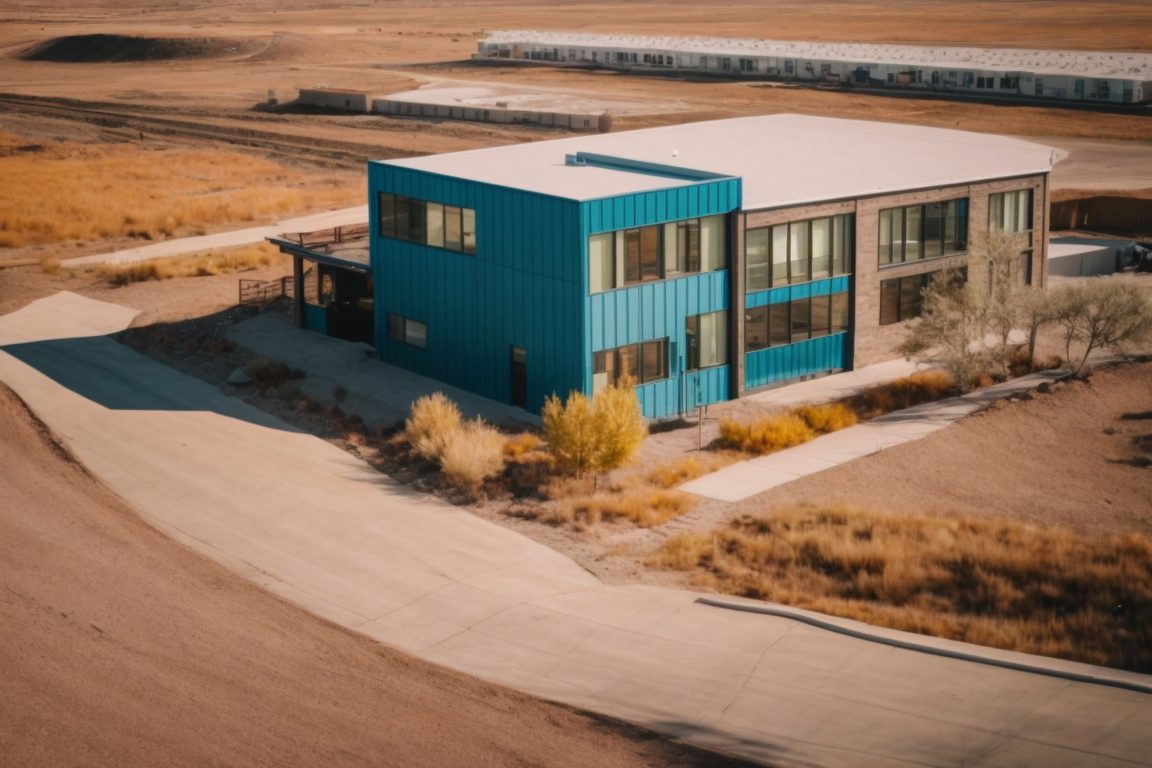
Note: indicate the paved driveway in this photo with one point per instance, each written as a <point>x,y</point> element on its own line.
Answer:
<point>320,528</point>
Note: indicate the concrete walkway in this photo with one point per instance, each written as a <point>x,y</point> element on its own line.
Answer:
<point>745,479</point>
<point>313,524</point>
<point>184,245</point>
<point>379,393</point>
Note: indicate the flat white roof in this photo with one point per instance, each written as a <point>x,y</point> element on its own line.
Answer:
<point>1116,64</point>
<point>783,159</point>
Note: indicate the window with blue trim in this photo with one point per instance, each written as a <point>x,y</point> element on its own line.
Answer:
<point>656,252</point>
<point>797,252</point>
<point>788,322</point>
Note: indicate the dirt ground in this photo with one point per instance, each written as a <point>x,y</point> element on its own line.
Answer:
<point>126,649</point>
<point>123,648</point>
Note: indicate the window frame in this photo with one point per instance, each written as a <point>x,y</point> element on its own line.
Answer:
<point>426,222</point>
<point>783,241</point>
<point>948,218</point>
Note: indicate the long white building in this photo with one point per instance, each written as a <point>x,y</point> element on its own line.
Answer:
<point>1085,76</point>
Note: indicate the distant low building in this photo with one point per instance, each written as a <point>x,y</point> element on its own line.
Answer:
<point>1083,76</point>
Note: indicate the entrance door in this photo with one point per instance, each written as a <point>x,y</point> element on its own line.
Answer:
<point>520,377</point>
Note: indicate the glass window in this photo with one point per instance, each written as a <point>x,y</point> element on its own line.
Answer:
<point>688,244</point>
<point>890,224</point>
<point>780,255</point>
<point>889,301</point>
<point>841,245</point>
<point>435,224</point>
<point>416,333</point>
<point>712,244</point>
<point>650,254</point>
<point>933,230</point>
<point>453,232</point>
<point>756,329</point>
<point>910,297</point>
<point>468,234</point>
<point>395,327</point>
<point>913,232</point>
<point>631,256</point>
<point>800,319</point>
<point>756,258</point>
<point>707,339</point>
<point>798,269</point>
<point>387,214</point>
<point>417,221</point>
<point>655,361</point>
<point>601,262</point>
<point>839,321</point>
<point>821,322</point>
<point>779,328</point>
<point>821,248</point>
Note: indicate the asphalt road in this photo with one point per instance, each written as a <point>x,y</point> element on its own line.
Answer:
<point>318,527</point>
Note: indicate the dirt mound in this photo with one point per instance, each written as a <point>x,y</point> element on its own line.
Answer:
<point>85,49</point>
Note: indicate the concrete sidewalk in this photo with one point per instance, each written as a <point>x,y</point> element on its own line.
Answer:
<point>318,527</point>
<point>379,393</point>
<point>184,245</point>
<point>745,479</point>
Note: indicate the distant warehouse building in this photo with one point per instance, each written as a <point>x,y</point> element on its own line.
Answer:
<point>702,260</point>
<point>1103,77</point>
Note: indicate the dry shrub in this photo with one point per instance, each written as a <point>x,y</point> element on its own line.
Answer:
<point>674,473</point>
<point>523,444</point>
<point>644,506</point>
<point>434,419</point>
<point>994,582</point>
<point>212,263</point>
<point>766,435</point>
<point>920,387</point>
<point>471,454</point>
<point>267,373</point>
<point>823,419</point>
<point>596,435</point>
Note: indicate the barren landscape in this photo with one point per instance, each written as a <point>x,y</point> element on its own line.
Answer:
<point>124,648</point>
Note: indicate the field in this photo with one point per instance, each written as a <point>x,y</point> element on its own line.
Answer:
<point>162,130</point>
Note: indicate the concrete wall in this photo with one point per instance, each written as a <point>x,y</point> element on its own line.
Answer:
<point>350,101</point>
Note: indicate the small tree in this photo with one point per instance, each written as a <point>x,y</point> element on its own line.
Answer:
<point>951,330</point>
<point>1102,313</point>
<point>594,435</point>
<point>1003,305</point>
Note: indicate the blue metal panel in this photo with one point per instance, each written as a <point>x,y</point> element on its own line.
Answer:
<point>315,318</point>
<point>524,288</point>
<point>805,358</point>
<point>800,291</point>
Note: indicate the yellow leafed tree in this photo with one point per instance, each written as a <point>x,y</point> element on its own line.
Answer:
<point>594,435</point>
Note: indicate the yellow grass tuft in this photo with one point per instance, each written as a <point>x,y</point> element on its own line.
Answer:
<point>993,582</point>
<point>222,262</point>
<point>823,419</point>
<point>765,435</point>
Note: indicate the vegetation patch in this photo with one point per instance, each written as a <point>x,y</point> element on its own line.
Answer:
<point>62,191</point>
<point>998,583</point>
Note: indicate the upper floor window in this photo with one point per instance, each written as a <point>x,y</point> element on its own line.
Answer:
<point>926,231</point>
<point>428,223</point>
<point>656,252</point>
<point>1010,211</point>
<point>797,252</point>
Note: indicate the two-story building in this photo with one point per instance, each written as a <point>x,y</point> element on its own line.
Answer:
<point>703,260</point>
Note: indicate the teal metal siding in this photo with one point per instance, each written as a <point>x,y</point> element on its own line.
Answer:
<point>657,309</point>
<point>791,361</point>
<point>801,291</point>
<point>523,288</point>
<point>315,318</point>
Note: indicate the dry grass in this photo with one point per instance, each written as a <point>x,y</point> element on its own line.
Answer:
<point>767,434</point>
<point>643,505</point>
<point>677,472</point>
<point>993,582</point>
<point>472,453</point>
<point>221,262</point>
<point>433,421</point>
<point>920,387</point>
<point>64,191</point>
<point>831,417</point>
